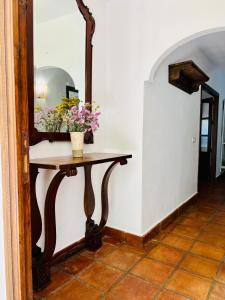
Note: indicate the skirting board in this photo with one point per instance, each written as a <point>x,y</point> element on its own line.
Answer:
<point>135,240</point>
<point>221,176</point>
<point>131,239</point>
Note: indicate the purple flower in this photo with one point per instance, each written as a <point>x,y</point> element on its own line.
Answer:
<point>82,119</point>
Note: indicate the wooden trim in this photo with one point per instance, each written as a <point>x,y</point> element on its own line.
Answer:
<point>6,63</point>
<point>131,239</point>
<point>68,251</point>
<point>14,126</point>
<point>135,240</point>
<point>214,133</point>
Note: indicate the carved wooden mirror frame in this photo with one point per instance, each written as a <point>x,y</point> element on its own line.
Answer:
<point>34,135</point>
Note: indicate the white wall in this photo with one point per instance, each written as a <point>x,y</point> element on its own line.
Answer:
<point>114,136</point>
<point>170,158</point>
<point>130,37</point>
<point>145,32</point>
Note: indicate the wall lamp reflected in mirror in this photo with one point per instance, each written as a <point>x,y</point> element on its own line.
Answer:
<point>41,90</point>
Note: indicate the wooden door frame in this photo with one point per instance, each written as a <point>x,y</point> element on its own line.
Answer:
<point>214,94</point>
<point>15,149</point>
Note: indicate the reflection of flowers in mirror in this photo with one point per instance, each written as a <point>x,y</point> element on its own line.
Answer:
<point>41,89</point>
<point>71,115</point>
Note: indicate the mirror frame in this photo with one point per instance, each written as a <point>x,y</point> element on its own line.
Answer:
<point>34,135</point>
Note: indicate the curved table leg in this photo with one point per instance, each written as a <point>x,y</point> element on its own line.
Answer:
<point>41,268</point>
<point>104,193</point>
<point>92,240</point>
<point>36,222</point>
<point>93,236</point>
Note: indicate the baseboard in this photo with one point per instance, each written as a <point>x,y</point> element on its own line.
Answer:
<point>135,240</point>
<point>68,251</point>
<point>129,238</point>
<point>221,176</point>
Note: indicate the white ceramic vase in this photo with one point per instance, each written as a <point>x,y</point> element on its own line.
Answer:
<point>77,141</point>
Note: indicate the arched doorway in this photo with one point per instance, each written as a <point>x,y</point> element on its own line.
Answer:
<point>172,124</point>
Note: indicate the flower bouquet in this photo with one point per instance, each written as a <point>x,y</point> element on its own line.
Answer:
<point>80,120</point>
<point>69,116</point>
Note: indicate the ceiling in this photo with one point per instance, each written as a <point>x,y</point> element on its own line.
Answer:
<point>45,10</point>
<point>213,47</point>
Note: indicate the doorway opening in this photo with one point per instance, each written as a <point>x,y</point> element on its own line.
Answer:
<point>208,133</point>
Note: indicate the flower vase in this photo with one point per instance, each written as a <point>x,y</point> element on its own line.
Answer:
<point>77,141</point>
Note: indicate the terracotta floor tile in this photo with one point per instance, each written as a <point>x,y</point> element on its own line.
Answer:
<point>112,241</point>
<point>76,264</point>
<point>188,231</point>
<point>213,239</point>
<point>193,222</point>
<point>201,266</point>
<point>200,229</point>
<point>121,259</point>
<point>134,288</point>
<point>208,209</point>
<point>200,216</point>
<point>109,297</point>
<point>152,271</point>
<point>220,214</point>
<point>75,290</point>
<point>150,245</point>
<point>58,278</point>
<point>166,254</point>
<point>218,292</point>
<point>160,236</point>
<point>219,220</point>
<point>101,276</point>
<point>177,241</point>
<point>215,228</point>
<point>168,295</point>
<point>137,250</point>
<point>190,285</point>
<point>104,250</point>
<point>208,250</point>
<point>221,274</point>
<point>169,227</point>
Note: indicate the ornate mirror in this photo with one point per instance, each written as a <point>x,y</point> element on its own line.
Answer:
<point>60,64</point>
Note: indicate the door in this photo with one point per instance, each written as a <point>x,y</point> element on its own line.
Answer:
<point>208,133</point>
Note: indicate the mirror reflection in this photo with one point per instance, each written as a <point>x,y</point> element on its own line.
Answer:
<point>59,61</point>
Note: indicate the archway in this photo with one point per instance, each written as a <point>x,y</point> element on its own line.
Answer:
<point>171,125</point>
<point>181,43</point>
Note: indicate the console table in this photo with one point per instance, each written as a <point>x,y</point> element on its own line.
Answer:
<point>67,166</point>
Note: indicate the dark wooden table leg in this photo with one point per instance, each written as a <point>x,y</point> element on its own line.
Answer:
<point>93,239</point>
<point>93,236</point>
<point>41,268</point>
<point>104,193</point>
<point>36,222</point>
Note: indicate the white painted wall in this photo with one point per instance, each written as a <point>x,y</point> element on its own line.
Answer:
<point>170,158</point>
<point>130,37</point>
<point>113,136</point>
<point>145,32</point>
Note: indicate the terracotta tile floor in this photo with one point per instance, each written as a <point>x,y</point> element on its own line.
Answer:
<point>185,261</point>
